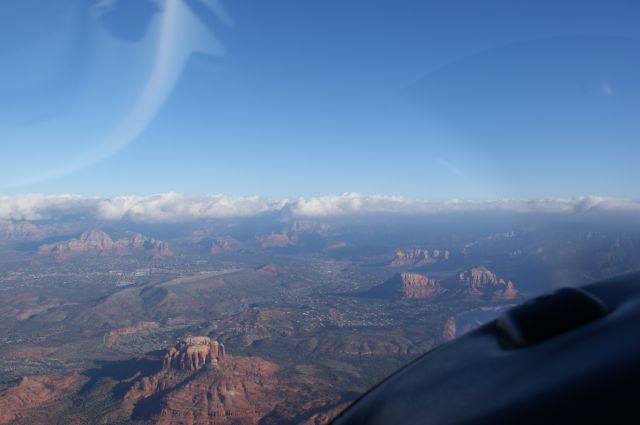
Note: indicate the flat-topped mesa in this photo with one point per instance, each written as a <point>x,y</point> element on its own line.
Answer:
<point>193,352</point>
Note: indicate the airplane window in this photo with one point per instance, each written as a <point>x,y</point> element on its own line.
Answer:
<point>252,212</point>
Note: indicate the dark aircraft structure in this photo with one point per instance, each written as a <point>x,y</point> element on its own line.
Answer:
<point>571,357</point>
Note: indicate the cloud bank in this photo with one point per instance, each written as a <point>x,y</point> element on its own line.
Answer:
<point>175,207</point>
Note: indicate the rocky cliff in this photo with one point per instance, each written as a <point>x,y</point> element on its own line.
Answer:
<point>480,281</point>
<point>407,286</point>
<point>191,353</point>
<point>238,390</point>
<point>449,330</point>
<point>97,242</point>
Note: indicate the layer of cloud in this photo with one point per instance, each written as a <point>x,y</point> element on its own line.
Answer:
<point>175,207</point>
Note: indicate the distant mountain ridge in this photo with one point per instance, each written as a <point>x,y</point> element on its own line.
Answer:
<point>97,242</point>
<point>418,257</point>
<point>291,236</point>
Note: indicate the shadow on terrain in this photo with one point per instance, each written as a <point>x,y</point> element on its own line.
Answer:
<point>120,370</point>
<point>147,408</point>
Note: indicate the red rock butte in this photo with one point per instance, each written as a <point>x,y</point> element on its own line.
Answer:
<point>418,286</point>
<point>193,352</point>
<point>480,281</point>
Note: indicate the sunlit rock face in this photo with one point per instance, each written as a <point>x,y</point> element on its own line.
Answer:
<point>97,242</point>
<point>191,353</point>
<point>407,286</point>
<point>418,286</point>
<point>483,282</point>
<point>201,385</point>
<point>449,329</point>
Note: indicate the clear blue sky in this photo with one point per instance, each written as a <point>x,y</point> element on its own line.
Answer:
<point>430,99</point>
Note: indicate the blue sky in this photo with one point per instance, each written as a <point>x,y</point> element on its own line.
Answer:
<point>426,99</point>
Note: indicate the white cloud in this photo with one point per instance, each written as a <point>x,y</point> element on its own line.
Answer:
<point>175,207</point>
<point>42,207</point>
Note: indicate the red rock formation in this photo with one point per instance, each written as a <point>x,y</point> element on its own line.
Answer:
<point>191,353</point>
<point>159,249</point>
<point>239,390</point>
<point>94,240</point>
<point>509,293</point>
<point>22,231</point>
<point>290,236</point>
<point>236,391</point>
<point>240,393</point>
<point>19,400</point>
<point>268,270</point>
<point>277,240</point>
<point>408,286</point>
<point>219,246</point>
<point>418,257</point>
<point>142,243</point>
<point>418,286</point>
<point>138,241</point>
<point>480,281</point>
<point>449,329</point>
<point>97,242</point>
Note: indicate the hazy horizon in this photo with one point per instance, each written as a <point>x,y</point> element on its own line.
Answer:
<point>176,207</point>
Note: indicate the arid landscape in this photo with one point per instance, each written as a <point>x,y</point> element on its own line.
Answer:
<point>218,212</point>
<point>268,320</point>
